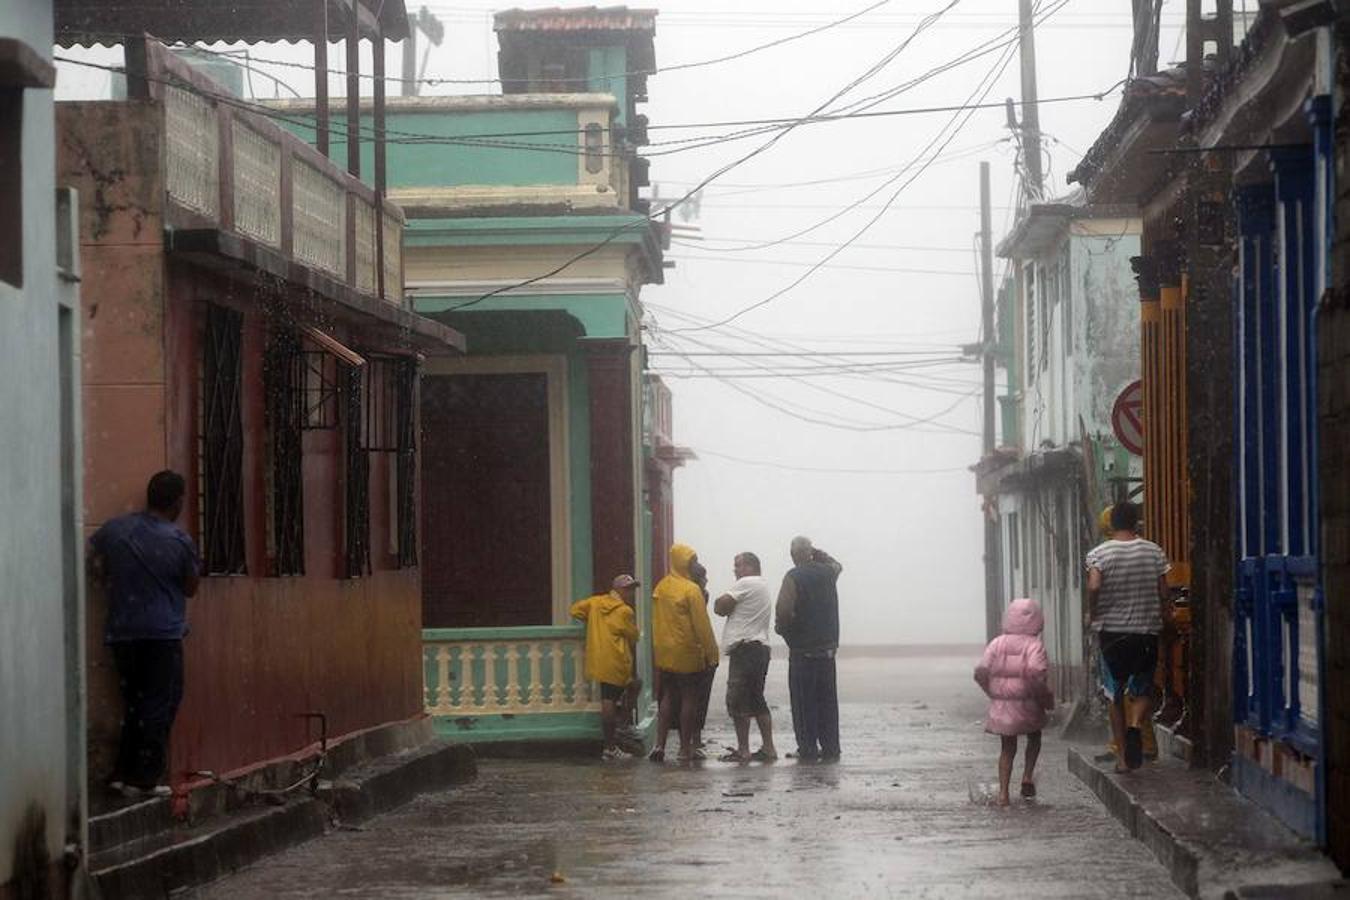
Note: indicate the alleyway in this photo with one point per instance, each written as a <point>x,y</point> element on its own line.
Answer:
<point>903,815</point>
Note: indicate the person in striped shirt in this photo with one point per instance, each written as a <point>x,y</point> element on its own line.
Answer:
<point>1127,593</point>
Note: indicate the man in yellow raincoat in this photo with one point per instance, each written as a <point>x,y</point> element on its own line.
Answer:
<point>611,633</point>
<point>683,647</point>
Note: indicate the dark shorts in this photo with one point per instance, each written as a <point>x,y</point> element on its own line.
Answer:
<point>745,680</point>
<point>1131,658</point>
<point>612,692</point>
<point>682,683</point>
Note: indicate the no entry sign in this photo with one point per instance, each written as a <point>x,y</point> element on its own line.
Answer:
<point>1127,418</point>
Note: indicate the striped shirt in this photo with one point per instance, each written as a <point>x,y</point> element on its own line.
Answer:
<point>1128,601</point>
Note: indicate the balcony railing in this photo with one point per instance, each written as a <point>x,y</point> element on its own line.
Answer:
<point>233,168</point>
<point>475,672</point>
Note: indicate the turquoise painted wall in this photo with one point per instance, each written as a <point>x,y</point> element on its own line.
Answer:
<point>545,159</point>
<point>606,74</point>
<point>598,315</point>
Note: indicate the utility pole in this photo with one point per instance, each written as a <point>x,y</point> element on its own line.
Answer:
<point>993,562</point>
<point>434,30</point>
<point>1031,115</point>
<point>410,61</point>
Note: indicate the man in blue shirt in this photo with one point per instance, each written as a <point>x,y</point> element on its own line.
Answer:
<point>148,567</point>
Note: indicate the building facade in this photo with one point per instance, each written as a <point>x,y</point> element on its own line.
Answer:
<point>1070,332</point>
<point>535,247</point>
<point>1233,163</point>
<point>42,795</point>
<point>246,327</point>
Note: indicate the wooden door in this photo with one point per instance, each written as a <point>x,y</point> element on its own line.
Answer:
<point>486,501</point>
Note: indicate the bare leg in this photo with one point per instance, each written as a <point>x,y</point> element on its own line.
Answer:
<point>689,711</point>
<point>1118,733</point>
<point>1033,753</point>
<point>665,718</point>
<point>1005,767</point>
<point>742,724</point>
<point>765,723</point>
<point>609,721</point>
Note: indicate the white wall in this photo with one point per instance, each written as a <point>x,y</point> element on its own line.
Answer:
<point>40,681</point>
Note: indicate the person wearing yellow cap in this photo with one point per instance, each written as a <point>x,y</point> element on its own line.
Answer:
<point>611,633</point>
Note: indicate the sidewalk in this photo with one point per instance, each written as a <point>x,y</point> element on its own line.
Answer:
<point>1212,841</point>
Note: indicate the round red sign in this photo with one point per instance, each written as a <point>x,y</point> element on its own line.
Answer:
<point>1127,418</point>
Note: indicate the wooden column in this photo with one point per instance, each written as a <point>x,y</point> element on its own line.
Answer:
<point>321,76</point>
<point>354,92</point>
<point>613,504</point>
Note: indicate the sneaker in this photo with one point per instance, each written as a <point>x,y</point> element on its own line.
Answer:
<point>609,753</point>
<point>657,755</point>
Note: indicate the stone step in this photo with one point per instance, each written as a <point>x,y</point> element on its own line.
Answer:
<point>169,856</point>
<point>1213,841</point>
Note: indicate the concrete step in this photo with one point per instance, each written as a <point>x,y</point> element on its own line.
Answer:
<point>1212,841</point>
<point>170,856</point>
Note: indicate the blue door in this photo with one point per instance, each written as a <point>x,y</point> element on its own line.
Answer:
<point>1278,660</point>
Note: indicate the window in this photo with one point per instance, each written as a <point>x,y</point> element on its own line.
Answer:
<point>1066,291</point>
<point>595,148</point>
<point>356,518</point>
<point>390,386</point>
<point>407,463</point>
<point>1044,297</point>
<point>1029,295</point>
<point>284,377</point>
<point>11,186</point>
<point>222,443</point>
<point>318,384</point>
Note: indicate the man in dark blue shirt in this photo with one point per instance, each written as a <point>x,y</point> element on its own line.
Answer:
<point>148,567</point>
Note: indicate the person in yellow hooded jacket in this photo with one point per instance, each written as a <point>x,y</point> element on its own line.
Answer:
<point>683,647</point>
<point>611,633</point>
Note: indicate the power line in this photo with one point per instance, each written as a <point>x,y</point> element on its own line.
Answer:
<point>613,235</point>
<point>436,82</point>
<point>838,266</point>
<point>737,354</point>
<point>824,470</point>
<point>983,88</point>
<point>851,425</point>
<point>704,245</point>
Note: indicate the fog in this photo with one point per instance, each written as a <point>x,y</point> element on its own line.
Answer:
<point>891,498</point>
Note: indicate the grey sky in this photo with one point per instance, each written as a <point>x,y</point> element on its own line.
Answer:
<point>911,542</point>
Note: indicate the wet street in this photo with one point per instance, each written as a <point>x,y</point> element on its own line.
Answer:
<point>905,814</point>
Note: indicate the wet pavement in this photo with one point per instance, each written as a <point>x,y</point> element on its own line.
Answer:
<point>905,814</point>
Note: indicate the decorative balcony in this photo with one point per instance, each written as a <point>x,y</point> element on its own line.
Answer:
<point>235,177</point>
<point>509,684</point>
<point>494,155</point>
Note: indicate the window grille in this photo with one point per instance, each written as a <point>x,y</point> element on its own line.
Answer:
<point>284,378</point>
<point>356,519</point>
<point>319,389</point>
<point>222,443</point>
<point>407,463</point>
<point>390,426</point>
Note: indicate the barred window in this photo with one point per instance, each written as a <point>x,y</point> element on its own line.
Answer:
<point>318,385</point>
<point>356,519</point>
<point>284,378</point>
<point>222,443</point>
<point>390,386</point>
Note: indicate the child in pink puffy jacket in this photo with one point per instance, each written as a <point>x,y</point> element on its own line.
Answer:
<point>1014,673</point>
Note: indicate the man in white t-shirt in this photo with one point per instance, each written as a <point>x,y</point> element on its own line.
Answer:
<point>748,608</point>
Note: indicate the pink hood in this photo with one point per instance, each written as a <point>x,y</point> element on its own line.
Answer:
<point>1014,672</point>
<point>1023,616</point>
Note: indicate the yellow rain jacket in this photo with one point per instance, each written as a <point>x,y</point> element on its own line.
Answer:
<point>611,631</point>
<point>682,635</point>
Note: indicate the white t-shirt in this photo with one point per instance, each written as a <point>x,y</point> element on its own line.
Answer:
<point>749,621</point>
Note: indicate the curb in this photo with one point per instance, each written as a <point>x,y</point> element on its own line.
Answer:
<point>186,856</point>
<point>1180,860</point>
